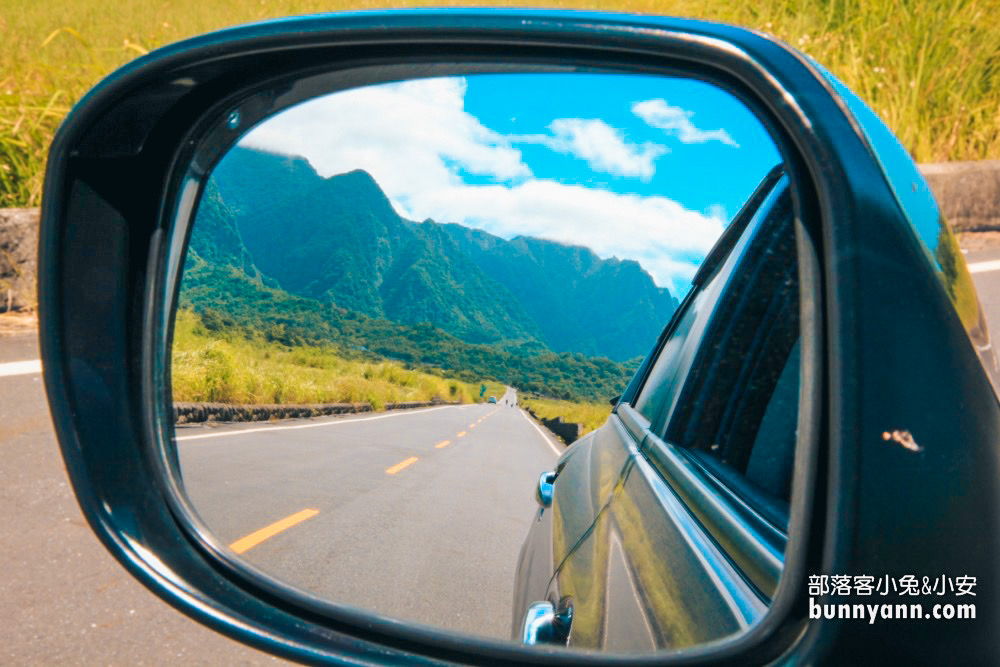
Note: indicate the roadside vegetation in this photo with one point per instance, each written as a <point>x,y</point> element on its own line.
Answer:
<point>930,68</point>
<point>228,300</point>
<point>226,367</point>
<point>591,414</point>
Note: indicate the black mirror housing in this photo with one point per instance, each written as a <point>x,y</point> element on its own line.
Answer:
<point>125,170</point>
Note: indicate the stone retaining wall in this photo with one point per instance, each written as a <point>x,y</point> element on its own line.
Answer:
<point>18,258</point>
<point>568,432</point>
<point>189,413</point>
<point>192,413</point>
<point>967,192</point>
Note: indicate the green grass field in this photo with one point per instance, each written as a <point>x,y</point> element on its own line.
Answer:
<point>930,68</point>
<point>591,415</point>
<point>227,368</point>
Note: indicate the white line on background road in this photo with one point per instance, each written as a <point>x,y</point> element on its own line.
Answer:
<point>983,267</point>
<point>21,367</point>
<point>544,437</point>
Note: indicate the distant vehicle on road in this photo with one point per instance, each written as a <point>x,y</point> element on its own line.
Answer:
<point>492,399</point>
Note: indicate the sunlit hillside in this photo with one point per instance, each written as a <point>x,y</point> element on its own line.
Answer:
<point>217,367</point>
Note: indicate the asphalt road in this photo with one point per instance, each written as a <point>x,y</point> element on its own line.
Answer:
<point>985,267</point>
<point>64,600</point>
<point>417,515</point>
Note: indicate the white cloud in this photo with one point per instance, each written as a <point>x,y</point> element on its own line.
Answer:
<point>676,121</point>
<point>667,239</point>
<point>415,139</point>
<point>602,146</point>
<point>408,136</point>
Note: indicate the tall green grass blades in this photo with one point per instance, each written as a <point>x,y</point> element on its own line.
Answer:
<point>930,68</point>
<point>217,367</point>
<point>591,415</point>
<point>64,30</point>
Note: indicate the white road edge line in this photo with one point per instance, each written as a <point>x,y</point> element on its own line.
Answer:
<point>983,267</point>
<point>315,425</point>
<point>21,367</point>
<point>544,437</point>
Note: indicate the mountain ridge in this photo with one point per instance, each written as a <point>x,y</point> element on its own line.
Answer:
<point>339,240</point>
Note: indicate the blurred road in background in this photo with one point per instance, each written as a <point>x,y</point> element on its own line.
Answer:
<point>984,263</point>
<point>63,599</point>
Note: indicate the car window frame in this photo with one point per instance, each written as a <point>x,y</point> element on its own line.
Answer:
<point>625,408</point>
<point>696,385</point>
<point>714,274</point>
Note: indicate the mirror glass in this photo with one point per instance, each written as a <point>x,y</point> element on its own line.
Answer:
<point>402,303</point>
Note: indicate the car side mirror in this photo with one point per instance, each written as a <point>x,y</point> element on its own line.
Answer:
<point>460,205</point>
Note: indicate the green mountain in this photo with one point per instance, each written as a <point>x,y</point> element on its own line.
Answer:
<point>225,283</point>
<point>339,240</point>
<point>581,303</point>
<point>229,301</point>
<point>217,239</point>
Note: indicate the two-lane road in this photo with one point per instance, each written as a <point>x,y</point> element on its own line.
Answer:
<point>418,514</point>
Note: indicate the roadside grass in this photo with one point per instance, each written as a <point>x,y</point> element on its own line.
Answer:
<point>930,68</point>
<point>227,368</point>
<point>591,415</point>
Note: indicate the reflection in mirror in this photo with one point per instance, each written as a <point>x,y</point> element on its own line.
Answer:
<point>402,303</point>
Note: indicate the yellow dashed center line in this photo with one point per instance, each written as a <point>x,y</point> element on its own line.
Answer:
<point>253,539</point>
<point>402,464</point>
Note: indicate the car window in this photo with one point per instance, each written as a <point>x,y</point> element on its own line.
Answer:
<point>769,465</point>
<point>724,386</point>
<point>738,408</point>
<point>664,380</point>
<point>657,397</point>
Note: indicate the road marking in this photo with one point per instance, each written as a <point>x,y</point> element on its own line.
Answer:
<point>253,539</point>
<point>461,433</point>
<point>983,267</point>
<point>316,425</point>
<point>21,367</point>
<point>402,464</point>
<point>544,437</point>
<point>443,444</point>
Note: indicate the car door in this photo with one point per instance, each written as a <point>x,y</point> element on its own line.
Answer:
<point>689,546</point>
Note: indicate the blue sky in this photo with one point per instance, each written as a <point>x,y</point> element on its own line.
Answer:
<point>686,172</point>
<point>632,166</point>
